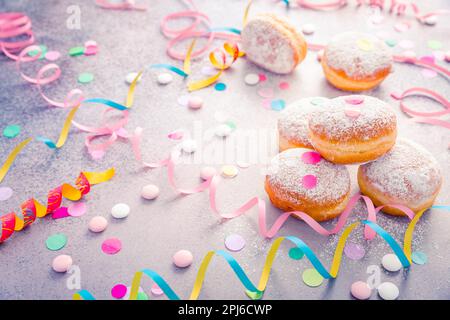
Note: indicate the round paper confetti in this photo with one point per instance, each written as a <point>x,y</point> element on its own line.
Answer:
<point>354,251</point>
<point>98,224</point>
<point>365,44</point>
<point>283,85</point>
<point>182,258</point>
<point>296,253</point>
<point>317,101</point>
<point>388,291</point>
<point>419,257</point>
<point>254,295</point>
<point>312,278</point>
<point>434,44</point>
<point>220,86</point>
<point>234,242</point>
<point>360,290</point>
<point>111,246</point>
<point>229,171</point>
<point>311,157</point>
<point>90,51</point>
<point>352,112</point>
<point>266,92</point>
<point>60,213</point>
<point>120,210</point>
<point>251,79</point>
<point>156,290</point>
<point>262,77</point>
<point>354,100</point>
<point>119,291</point>
<point>85,77</point>
<point>5,193</point>
<point>11,131</point>
<point>62,263</point>
<point>309,181</point>
<point>308,28</point>
<point>56,242</point>
<point>52,55</point>
<point>195,102</point>
<point>77,209</point>
<point>391,262</point>
<point>278,104</point>
<point>431,20</point>
<point>165,78</point>
<point>150,192</point>
<point>76,51</point>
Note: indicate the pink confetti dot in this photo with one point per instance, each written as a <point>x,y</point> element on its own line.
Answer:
<point>60,213</point>
<point>119,291</point>
<point>284,85</point>
<point>90,51</point>
<point>5,193</point>
<point>182,258</point>
<point>354,251</point>
<point>262,77</point>
<point>311,157</point>
<point>52,55</point>
<point>352,112</point>
<point>266,104</point>
<point>360,290</point>
<point>309,181</point>
<point>156,290</point>
<point>354,100</point>
<point>111,246</point>
<point>266,92</point>
<point>77,209</point>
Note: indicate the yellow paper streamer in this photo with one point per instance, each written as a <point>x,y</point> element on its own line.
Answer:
<point>65,130</point>
<point>12,156</point>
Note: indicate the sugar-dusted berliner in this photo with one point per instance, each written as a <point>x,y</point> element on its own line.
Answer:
<point>355,61</point>
<point>408,175</point>
<point>293,123</point>
<point>300,179</point>
<point>272,43</point>
<point>353,129</point>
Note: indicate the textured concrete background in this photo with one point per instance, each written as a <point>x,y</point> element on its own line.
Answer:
<point>128,41</point>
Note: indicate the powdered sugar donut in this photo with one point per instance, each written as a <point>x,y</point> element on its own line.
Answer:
<point>355,61</point>
<point>353,129</point>
<point>293,123</point>
<point>272,43</point>
<point>299,179</point>
<point>407,175</point>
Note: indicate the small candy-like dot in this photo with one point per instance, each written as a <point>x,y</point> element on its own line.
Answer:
<point>164,78</point>
<point>251,79</point>
<point>354,251</point>
<point>354,100</point>
<point>234,242</point>
<point>111,246</point>
<point>309,181</point>
<point>283,85</point>
<point>391,262</point>
<point>120,210</point>
<point>119,291</point>
<point>77,209</point>
<point>360,290</point>
<point>98,224</point>
<point>262,77</point>
<point>207,172</point>
<point>5,193</point>
<point>182,258</point>
<point>150,192</point>
<point>11,131</point>
<point>229,171</point>
<point>56,242</point>
<point>388,291</point>
<point>195,102</point>
<point>296,253</point>
<point>62,263</point>
<point>308,28</point>
<point>311,157</point>
<point>220,86</point>
<point>312,278</point>
<point>352,112</point>
<point>85,77</point>
<point>156,290</point>
<point>52,55</point>
<point>419,257</point>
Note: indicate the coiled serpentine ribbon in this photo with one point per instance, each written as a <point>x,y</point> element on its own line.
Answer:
<point>404,256</point>
<point>32,209</point>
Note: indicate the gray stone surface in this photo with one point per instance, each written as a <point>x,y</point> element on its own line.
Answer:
<point>155,230</point>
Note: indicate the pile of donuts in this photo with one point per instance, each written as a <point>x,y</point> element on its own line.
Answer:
<point>318,137</point>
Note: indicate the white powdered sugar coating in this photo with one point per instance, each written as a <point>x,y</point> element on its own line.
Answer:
<point>407,172</point>
<point>287,170</point>
<point>346,53</point>
<point>265,45</point>
<point>376,118</point>
<point>293,121</point>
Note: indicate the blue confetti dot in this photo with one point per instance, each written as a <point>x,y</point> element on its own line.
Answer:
<point>419,257</point>
<point>278,104</point>
<point>220,86</point>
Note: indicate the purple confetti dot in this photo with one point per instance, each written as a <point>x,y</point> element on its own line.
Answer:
<point>5,193</point>
<point>354,251</point>
<point>234,242</point>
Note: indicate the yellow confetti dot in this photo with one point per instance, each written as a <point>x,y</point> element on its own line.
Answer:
<point>365,44</point>
<point>229,171</point>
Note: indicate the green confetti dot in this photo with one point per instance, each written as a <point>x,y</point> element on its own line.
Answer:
<point>419,257</point>
<point>56,242</point>
<point>11,131</point>
<point>142,296</point>
<point>76,51</point>
<point>220,86</point>
<point>254,295</point>
<point>435,44</point>
<point>85,77</point>
<point>296,253</point>
<point>312,278</point>
<point>231,124</point>
<point>391,42</point>
<point>34,53</point>
<point>317,101</point>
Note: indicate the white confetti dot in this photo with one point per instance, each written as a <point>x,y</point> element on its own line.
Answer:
<point>308,28</point>
<point>391,262</point>
<point>251,79</point>
<point>388,291</point>
<point>165,78</point>
<point>120,211</point>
